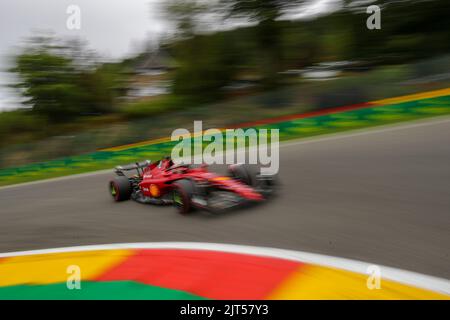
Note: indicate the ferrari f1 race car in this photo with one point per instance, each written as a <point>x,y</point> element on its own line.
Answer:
<point>188,187</point>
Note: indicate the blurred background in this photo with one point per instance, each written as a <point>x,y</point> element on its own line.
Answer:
<point>131,71</point>
<point>79,79</point>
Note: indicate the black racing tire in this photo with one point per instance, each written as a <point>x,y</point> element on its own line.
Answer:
<point>244,173</point>
<point>182,194</point>
<point>120,189</point>
<point>249,175</point>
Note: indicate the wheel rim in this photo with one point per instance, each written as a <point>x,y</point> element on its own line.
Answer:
<point>113,190</point>
<point>177,199</point>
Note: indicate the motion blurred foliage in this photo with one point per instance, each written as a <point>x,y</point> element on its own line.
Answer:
<point>68,89</point>
<point>156,106</point>
<point>270,43</point>
<point>409,29</point>
<point>63,86</point>
<point>62,81</point>
<point>206,64</point>
<point>20,121</point>
<point>268,31</point>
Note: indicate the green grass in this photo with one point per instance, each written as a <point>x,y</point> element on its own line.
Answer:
<point>94,290</point>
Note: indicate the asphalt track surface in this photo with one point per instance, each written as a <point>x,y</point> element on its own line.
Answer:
<point>381,196</point>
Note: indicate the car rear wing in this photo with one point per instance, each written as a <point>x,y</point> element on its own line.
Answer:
<point>138,166</point>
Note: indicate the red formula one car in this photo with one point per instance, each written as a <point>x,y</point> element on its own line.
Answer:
<point>189,187</point>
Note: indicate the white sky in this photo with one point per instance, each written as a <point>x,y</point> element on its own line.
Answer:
<point>112,27</point>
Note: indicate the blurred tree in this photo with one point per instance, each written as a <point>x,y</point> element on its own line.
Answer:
<point>184,15</point>
<point>101,86</point>
<point>61,82</point>
<point>268,30</point>
<point>409,29</point>
<point>48,81</point>
<point>205,65</point>
<point>204,62</point>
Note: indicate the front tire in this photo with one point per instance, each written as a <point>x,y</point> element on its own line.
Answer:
<point>120,189</point>
<point>182,195</point>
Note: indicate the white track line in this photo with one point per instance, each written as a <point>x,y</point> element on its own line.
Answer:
<point>322,138</point>
<point>402,276</point>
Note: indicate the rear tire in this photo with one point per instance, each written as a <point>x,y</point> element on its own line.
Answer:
<point>182,195</point>
<point>120,189</point>
<point>249,175</point>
